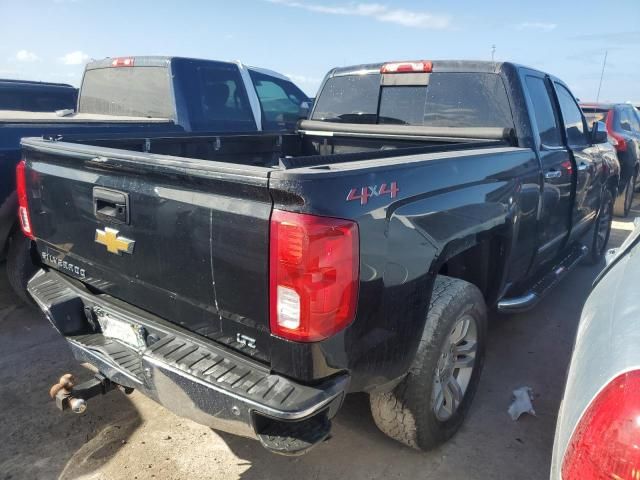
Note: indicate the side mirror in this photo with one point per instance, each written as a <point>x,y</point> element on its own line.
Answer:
<point>599,133</point>
<point>304,110</point>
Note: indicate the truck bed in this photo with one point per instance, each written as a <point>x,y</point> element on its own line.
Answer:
<point>307,148</point>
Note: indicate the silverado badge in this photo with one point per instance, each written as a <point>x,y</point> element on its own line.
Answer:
<point>115,244</point>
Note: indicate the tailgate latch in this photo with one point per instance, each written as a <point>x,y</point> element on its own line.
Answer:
<point>111,205</point>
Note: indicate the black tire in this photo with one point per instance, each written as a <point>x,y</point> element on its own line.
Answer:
<point>623,202</point>
<point>601,231</point>
<point>20,266</point>
<point>406,413</point>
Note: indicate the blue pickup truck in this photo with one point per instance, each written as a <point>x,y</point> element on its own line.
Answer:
<point>144,95</point>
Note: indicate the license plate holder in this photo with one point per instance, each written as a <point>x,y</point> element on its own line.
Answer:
<point>123,331</point>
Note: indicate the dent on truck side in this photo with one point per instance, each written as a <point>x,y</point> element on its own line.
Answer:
<point>447,204</point>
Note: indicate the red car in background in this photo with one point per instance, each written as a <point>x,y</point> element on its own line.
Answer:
<point>623,127</point>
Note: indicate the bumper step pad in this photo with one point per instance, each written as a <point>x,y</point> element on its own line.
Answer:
<point>294,438</point>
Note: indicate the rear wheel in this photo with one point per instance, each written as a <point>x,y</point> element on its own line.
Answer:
<point>430,404</point>
<point>20,267</point>
<point>601,230</point>
<point>624,201</point>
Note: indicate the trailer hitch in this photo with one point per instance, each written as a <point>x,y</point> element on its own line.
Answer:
<point>68,395</point>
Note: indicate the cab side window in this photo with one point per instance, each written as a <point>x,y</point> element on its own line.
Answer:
<point>573,121</point>
<point>544,112</point>
<point>216,99</point>
<point>280,100</point>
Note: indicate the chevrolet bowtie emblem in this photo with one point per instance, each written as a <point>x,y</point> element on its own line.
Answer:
<point>115,244</point>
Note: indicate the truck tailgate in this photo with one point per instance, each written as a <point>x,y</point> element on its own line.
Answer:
<point>184,239</point>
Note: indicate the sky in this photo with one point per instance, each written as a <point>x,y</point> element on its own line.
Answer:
<point>51,40</point>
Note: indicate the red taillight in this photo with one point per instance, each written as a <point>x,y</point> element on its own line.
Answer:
<point>606,442</point>
<point>122,62</point>
<point>620,142</point>
<point>568,166</point>
<point>23,205</point>
<point>314,264</point>
<point>422,66</point>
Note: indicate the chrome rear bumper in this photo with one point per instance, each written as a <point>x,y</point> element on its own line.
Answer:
<point>192,376</point>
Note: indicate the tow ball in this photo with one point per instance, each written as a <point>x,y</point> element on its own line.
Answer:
<point>69,396</point>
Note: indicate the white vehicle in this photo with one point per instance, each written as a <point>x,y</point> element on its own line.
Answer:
<point>598,429</point>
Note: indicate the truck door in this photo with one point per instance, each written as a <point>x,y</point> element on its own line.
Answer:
<point>586,159</point>
<point>557,167</point>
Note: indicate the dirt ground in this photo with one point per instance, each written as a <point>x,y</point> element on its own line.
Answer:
<point>131,437</point>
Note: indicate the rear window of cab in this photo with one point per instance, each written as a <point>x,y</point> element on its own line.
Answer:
<point>449,99</point>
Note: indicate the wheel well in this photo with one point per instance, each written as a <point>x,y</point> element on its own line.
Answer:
<point>482,265</point>
<point>6,236</point>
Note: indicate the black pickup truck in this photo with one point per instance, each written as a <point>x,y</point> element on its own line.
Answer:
<point>249,282</point>
<point>137,96</point>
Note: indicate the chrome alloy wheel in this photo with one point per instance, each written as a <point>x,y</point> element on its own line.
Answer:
<point>455,367</point>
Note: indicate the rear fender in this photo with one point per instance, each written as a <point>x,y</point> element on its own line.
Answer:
<point>422,237</point>
<point>443,228</point>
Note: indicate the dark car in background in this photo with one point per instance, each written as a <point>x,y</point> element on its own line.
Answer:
<point>623,127</point>
<point>32,96</point>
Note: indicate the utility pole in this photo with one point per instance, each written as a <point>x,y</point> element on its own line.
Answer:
<point>604,64</point>
<point>493,53</point>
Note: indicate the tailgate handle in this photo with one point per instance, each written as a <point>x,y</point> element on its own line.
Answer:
<point>111,205</point>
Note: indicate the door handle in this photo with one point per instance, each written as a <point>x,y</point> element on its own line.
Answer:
<point>111,205</point>
<point>553,174</point>
<point>583,166</point>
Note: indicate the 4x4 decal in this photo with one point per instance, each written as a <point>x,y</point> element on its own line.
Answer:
<point>363,194</point>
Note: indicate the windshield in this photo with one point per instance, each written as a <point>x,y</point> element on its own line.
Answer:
<point>448,100</point>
